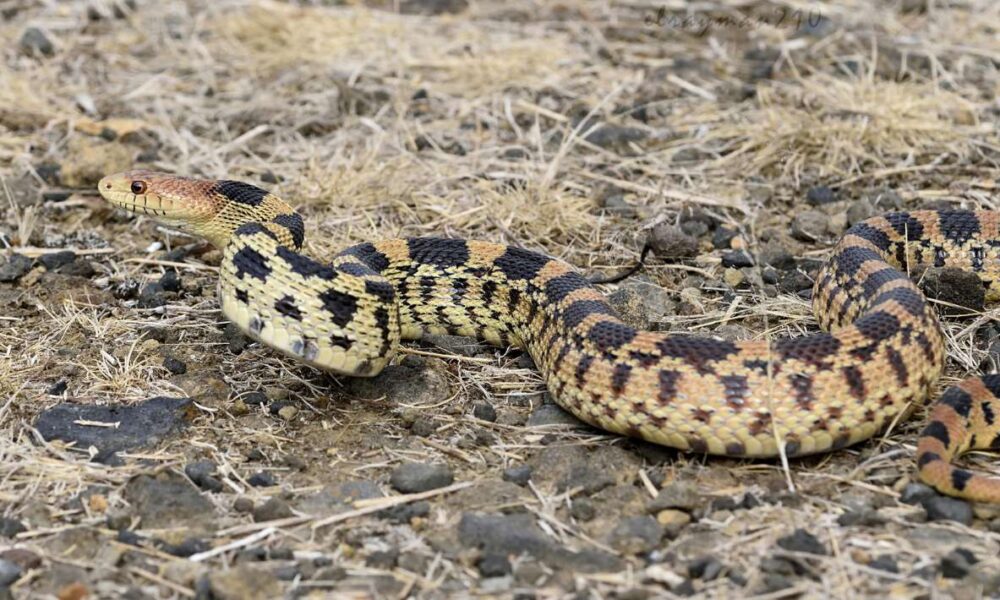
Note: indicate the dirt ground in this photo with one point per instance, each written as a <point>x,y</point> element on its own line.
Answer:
<point>148,451</point>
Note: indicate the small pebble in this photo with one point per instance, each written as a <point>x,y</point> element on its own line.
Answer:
<point>677,494</point>
<point>243,504</point>
<point>51,262</point>
<point>494,565</point>
<point>802,541</point>
<point>9,572</point>
<point>636,535</point>
<point>169,281</point>
<point>10,527</point>
<point>237,341</point>
<point>274,508</point>
<point>915,493</point>
<point>957,563</point>
<point>519,474</point>
<point>809,225</point>
<point>723,237</point>
<point>58,388</point>
<point>944,508</point>
<point>411,477</point>
<point>737,258</point>
<point>262,479</point>
<point>423,427</point>
<point>705,568</point>
<point>36,42</point>
<point>255,398</point>
<point>175,366</point>
<point>15,267</point>
<point>669,241</point>
<point>484,411</point>
<point>583,509</point>
<point>885,563</point>
<point>820,194</point>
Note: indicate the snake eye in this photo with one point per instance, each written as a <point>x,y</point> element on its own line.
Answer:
<point>138,187</point>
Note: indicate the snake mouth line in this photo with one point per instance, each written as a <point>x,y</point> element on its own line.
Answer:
<point>134,206</point>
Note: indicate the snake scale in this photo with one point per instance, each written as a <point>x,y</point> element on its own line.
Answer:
<point>879,354</point>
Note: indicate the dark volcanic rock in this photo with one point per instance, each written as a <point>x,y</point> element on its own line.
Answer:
<point>636,535</point>
<point>51,262</point>
<point>202,473</point>
<point>957,563</point>
<point>670,241</point>
<point>140,425</point>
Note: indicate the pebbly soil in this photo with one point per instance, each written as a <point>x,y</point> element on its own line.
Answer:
<point>150,451</point>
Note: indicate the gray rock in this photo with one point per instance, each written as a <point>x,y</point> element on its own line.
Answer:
<point>705,568</point>
<point>15,268</point>
<point>11,527</point>
<point>262,479</point>
<point>774,253</point>
<point>809,225</point>
<point>886,563</point>
<point>274,508</point>
<point>859,211</point>
<point>202,473</point>
<point>916,493</point>
<point>583,509</point>
<point>9,572</point>
<point>235,338</point>
<point>51,262</point>
<point>139,425</point>
<point>957,563</point>
<point>410,478</point>
<point>494,565</point>
<point>517,533</point>
<point>802,541</point>
<point>484,411</point>
<point>943,508</point>
<point>821,194</point>
<point>678,494</point>
<point>167,501</point>
<point>175,366</point>
<point>36,42</point>
<point>552,414</point>
<point>793,281</point>
<point>723,237</point>
<point>737,259</point>
<point>636,535</point>
<point>519,474</point>
<point>669,241</point>
<point>614,136</point>
<point>152,296</point>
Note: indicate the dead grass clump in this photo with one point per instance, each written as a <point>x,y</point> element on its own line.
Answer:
<point>457,57</point>
<point>827,126</point>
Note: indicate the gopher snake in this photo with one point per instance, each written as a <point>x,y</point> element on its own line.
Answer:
<point>879,354</point>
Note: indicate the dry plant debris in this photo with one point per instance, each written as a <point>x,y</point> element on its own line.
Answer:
<point>740,137</point>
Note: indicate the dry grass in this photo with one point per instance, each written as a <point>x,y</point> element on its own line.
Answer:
<point>479,124</point>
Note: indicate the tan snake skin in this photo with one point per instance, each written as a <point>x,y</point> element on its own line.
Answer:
<point>881,354</point>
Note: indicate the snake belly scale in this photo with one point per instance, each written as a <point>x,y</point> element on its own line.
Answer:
<point>877,359</point>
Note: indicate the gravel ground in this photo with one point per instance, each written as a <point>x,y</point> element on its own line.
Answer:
<point>151,451</point>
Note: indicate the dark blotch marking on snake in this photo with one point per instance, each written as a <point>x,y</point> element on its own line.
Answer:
<point>341,306</point>
<point>250,262</point>
<point>293,223</point>
<point>240,192</point>
<point>286,306</point>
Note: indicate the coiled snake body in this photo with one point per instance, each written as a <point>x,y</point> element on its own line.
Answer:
<point>880,354</point>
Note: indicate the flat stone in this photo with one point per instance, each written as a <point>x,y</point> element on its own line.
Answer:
<point>552,414</point>
<point>802,541</point>
<point>943,508</point>
<point>517,533</point>
<point>411,477</point>
<point>169,501</point>
<point>139,425</point>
